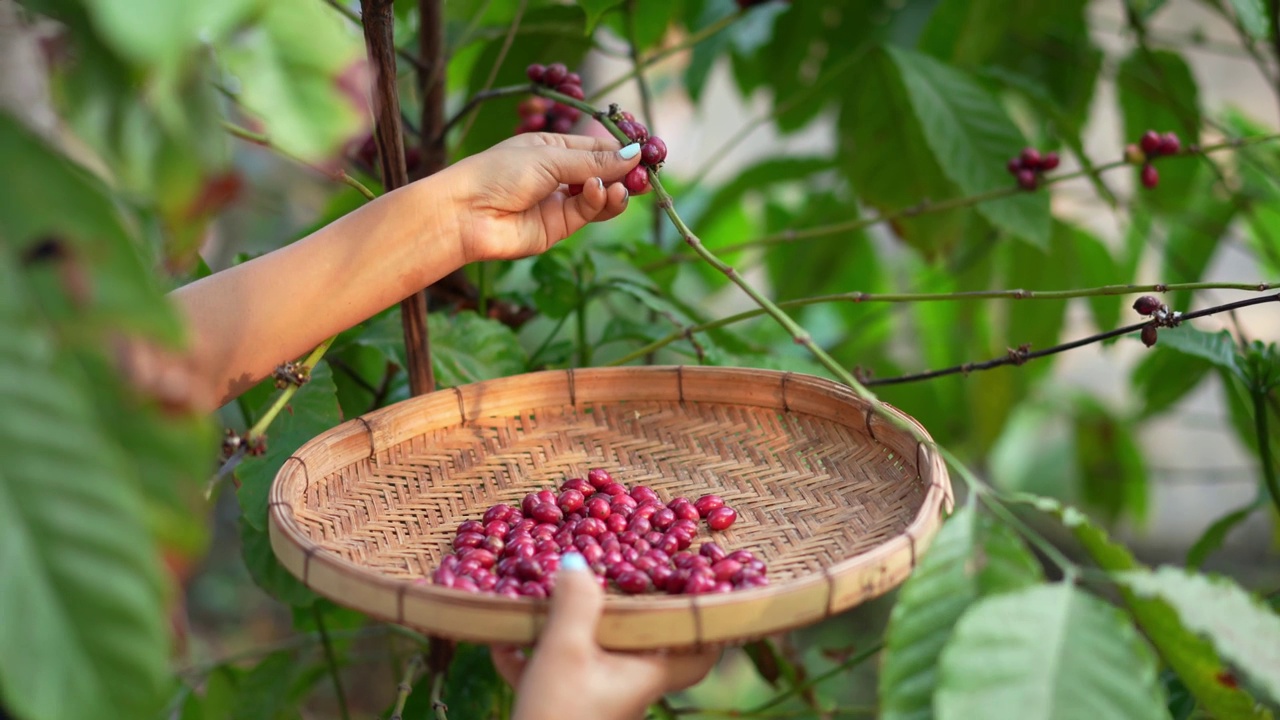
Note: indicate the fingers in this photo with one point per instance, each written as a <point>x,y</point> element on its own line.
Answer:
<point>687,669</point>
<point>575,167</point>
<point>576,604</point>
<point>573,142</point>
<point>510,662</point>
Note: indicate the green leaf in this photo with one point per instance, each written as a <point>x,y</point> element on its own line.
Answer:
<point>298,71</point>
<point>82,614</point>
<point>972,557</point>
<point>274,688</point>
<point>1048,651</point>
<point>267,572</point>
<point>1218,348</point>
<point>1165,376</point>
<point>467,348</point>
<point>557,292</point>
<point>1252,16</point>
<point>595,9</point>
<point>159,33</point>
<point>1158,92</point>
<point>1193,658</point>
<point>972,138</point>
<point>886,156</point>
<point>1213,537</point>
<point>1243,629</point>
<point>1113,477</point>
<point>1193,239</point>
<point>472,686</point>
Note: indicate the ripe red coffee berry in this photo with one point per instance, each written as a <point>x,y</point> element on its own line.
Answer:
<point>573,78</point>
<point>1014,165</point>
<point>554,74</point>
<point>536,72</point>
<point>712,551</point>
<point>1146,305</point>
<point>498,512</point>
<point>636,180</point>
<point>628,128</point>
<point>575,190</point>
<point>570,501</point>
<point>578,484</point>
<point>616,522</point>
<point>1150,142</point>
<point>686,511</point>
<point>561,126</point>
<point>1150,176</point>
<point>707,503</point>
<point>1169,144</point>
<point>598,507</point>
<point>1030,158</point>
<point>722,518</point>
<point>1049,161</point>
<point>599,477</point>
<point>573,91</point>
<point>470,526</point>
<point>545,512</point>
<point>467,540</point>
<point>653,151</point>
<point>633,582</point>
<point>1027,179</point>
<point>663,518</point>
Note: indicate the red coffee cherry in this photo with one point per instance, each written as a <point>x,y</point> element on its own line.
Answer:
<point>653,151</point>
<point>599,477</point>
<point>1049,161</point>
<point>570,501</point>
<point>722,518</point>
<point>536,72</point>
<point>1169,144</point>
<point>1150,142</point>
<point>1030,158</point>
<point>555,74</point>
<point>1149,334</point>
<point>636,180</point>
<point>1146,305</point>
<point>1027,179</point>
<point>707,503</point>
<point>1150,176</point>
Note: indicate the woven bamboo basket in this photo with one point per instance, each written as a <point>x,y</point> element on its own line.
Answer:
<point>836,499</point>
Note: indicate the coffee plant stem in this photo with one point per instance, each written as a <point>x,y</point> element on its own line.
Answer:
<point>259,429</point>
<point>988,496</point>
<point>1260,411</point>
<point>1019,356</point>
<point>927,207</point>
<point>354,17</point>
<point>688,42</point>
<point>406,686</point>
<point>861,297</point>
<point>260,139</point>
<point>437,692</point>
<point>331,660</point>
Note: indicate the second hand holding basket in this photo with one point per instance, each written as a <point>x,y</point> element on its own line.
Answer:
<point>836,500</point>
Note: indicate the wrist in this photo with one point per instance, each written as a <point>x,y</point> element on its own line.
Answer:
<point>440,241</point>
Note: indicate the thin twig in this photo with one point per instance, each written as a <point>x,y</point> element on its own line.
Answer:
<point>1020,356</point>
<point>406,686</point>
<point>861,298</point>
<point>331,659</point>
<point>816,679</point>
<point>481,97</point>
<point>1260,411</point>
<point>437,693</point>
<point>261,139</point>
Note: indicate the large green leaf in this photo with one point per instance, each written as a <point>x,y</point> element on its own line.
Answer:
<point>1113,476</point>
<point>1243,629</point>
<point>1252,16</point>
<point>972,557</point>
<point>887,158</point>
<point>158,34</point>
<point>972,138</point>
<point>1049,651</point>
<point>1165,376</point>
<point>595,9</point>
<point>1158,92</point>
<point>1217,348</point>
<point>299,71</point>
<point>1191,656</point>
<point>82,614</point>
<point>1213,536</point>
<point>467,348</point>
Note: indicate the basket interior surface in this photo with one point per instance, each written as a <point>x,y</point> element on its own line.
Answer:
<point>811,491</point>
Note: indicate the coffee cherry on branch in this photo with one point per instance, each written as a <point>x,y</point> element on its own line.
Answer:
<point>636,180</point>
<point>1027,166</point>
<point>538,113</point>
<point>1150,176</point>
<point>1146,305</point>
<point>1169,144</point>
<point>1150,142</point>
<point>1149,334</point>
<point>1027,179</point>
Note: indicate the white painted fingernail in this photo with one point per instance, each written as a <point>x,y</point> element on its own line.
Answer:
<point>629,151</point>
<point>600,183</point>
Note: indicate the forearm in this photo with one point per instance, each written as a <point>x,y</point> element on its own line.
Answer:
<point>248,319</point>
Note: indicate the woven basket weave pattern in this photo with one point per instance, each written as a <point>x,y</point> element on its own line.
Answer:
<point>836,500</point>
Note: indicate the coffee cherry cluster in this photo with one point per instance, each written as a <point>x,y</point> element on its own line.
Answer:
<point>538,113</point>
<point>1151,307</point>
<point>653,152</point>
<point>1149,147</point>
<point>628,537</point>
<point>1028,165</point>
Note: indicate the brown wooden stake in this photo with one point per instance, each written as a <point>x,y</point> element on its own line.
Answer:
<point>379,25</point>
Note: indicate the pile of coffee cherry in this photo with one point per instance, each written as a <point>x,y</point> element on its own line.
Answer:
<point>1029,165</point>
<point>630,538</point>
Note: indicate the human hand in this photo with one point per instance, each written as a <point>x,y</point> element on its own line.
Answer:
<point>512,200</point>
<point>570,677</point>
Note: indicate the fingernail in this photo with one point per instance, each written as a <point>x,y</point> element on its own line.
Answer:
<point>600,183</point>
<point>626,196</point>
<point>573,562</point>
<point>629,151</point>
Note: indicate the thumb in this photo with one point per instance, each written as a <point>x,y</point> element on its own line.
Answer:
<point>576,604</point>
<point>575,167</point>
